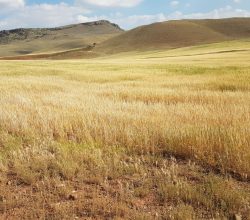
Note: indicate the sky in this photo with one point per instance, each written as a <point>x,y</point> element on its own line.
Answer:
<point>126,13</point>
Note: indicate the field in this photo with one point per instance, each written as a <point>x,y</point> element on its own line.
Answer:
<point>159,135</point>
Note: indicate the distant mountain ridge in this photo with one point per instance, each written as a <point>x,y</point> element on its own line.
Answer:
<point>102,37</point>
<point>24,41</point>
<point>178,33</point>
<point>6,36</point>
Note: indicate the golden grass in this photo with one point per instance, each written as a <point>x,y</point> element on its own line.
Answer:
<point>119,123</point>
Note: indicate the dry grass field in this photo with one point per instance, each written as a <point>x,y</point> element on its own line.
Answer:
<point>144,136</point>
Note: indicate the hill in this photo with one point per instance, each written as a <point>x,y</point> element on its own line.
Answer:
<point>175,34</point>
<point>78,53</point>
<point>41,40</point>
<point>78,41</point>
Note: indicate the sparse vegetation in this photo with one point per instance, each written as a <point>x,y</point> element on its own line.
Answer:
<point>48,40</point>
<point>126,138</point>
<point>177,34</point>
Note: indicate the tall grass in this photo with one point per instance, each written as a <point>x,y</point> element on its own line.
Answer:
<point>196,113</point>
<point>195,116</point>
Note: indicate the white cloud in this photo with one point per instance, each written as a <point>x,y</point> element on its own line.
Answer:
<point>8,5</point>
<point>174,3</point>
<point>126,22</point>
<point>137,20</point>
<point>11,3</point>
<point>52,15</point>
<point>225,12</point>
<point>43,15</point>
<point>237,1</point>
<point>83,19</point>
<point>113,3</point>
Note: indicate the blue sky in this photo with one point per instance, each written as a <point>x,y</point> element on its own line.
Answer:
<point>127,13</point>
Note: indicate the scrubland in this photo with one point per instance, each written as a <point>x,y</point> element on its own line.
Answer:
<point>147,137</point>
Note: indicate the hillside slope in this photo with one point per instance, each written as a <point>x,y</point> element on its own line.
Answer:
<point>28,41</point>
<point>174,34</point>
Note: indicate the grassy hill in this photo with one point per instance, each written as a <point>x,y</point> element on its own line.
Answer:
<point>29,41</point>
<point>76,41</point>
<point>175,34</point>
<point>210,52</point>
<point>234,52</point>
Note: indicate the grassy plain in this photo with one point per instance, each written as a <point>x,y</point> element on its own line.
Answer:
<point>160,135</point>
